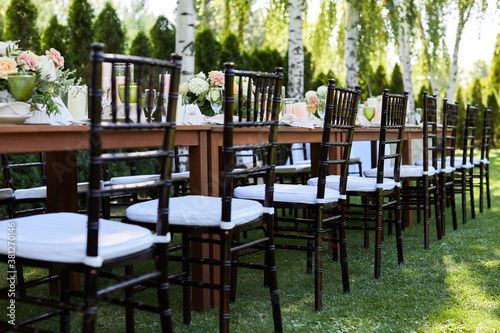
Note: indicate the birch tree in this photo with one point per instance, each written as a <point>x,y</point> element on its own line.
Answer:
<point>403,33</point>
<point>295,86</point>
<point>464,10</point>
<point>351,40</point>
<point>184,37</point>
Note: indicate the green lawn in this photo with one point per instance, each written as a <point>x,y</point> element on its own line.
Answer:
<point>451,287</point>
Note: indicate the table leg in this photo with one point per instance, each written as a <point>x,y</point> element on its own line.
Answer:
<point>62,196</point>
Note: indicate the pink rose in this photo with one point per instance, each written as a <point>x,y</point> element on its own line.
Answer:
<point>28,60</point>
<point>312,100</point>
<point>56,57</point>
<point>216,78</point>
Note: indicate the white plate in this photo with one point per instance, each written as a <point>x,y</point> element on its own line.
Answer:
<point>11,119</point>
<point>14,109</point>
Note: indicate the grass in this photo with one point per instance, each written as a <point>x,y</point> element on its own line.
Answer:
<point>451,287</point>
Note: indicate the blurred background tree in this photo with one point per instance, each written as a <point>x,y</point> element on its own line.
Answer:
<point>19,19</point>
<point>109,30</point>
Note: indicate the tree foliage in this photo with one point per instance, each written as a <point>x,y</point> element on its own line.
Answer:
<point>208,51</point>
<point>492,102</point>
<point>396,86</point>
<point>20,24</point>
<point>231,51</point>
<point>141,45</point>
<point>108,30</point>
<point>162,36</point>
<point>495,67</point>
<point>81,36</point>
<point>379,81</point>
<point>56,36</point>
<point>477,99</point>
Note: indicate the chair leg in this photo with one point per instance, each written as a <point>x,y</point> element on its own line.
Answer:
<point>163,289</point>
<point>90,299</point>
<point>481,184</point>
<point>271,273</point>
<point>65,299</point>
<point>442,196</point>
<point>437,208</point>
<point>399,233</point>
<point>453,203</point>
<point>471,186</point>
<point>129,299</point>
<point>378,233</point>
<point>318,259</point>
<point>225,267</point>
<point>343,250</point>
<point>464,198</point>
<point>365,202</point>
<point>487,176</point>
<point>234,273</point>
<point>426,212</point>
<point>186,289</point>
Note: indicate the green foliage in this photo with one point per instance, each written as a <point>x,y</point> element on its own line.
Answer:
<point>492,102</point>
<point>418,99</point>
<point>56,36</point>
<point>20,19</point>
<point>379,81</point>
<point>495,67</point>
<point>141,45</point>
<point>396,86</point>
<point>322,78</point>
<point>231,52</point>
<point>81,36</point>
<point>309,69</point>
<point>208,51</point>
<point>461,116</point>
<point>477,99</point>
<point>162,36</point>
<point>108,30</point>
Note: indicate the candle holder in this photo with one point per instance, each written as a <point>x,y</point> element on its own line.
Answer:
<point>22,85</point>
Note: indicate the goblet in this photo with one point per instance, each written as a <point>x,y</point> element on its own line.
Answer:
<point>132,92</point>
<point>215,98</point>
<point>369,113</point>
<point>22,85</point>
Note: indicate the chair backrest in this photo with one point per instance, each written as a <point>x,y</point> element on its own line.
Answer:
<point>393,118</point>
<point>340,115</point>
<point>27,167</point>
<point>487,133</point>
<point>429,107</point>
<point>147,73</point>
<point>468,143</point>
<point>257,107</point>
<point>450,119</point>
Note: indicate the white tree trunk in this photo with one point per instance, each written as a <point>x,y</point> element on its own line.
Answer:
<point>404,55</point>
<point>430,65</point>
<point>295,50</point>
<point>184,37</point>
<point>450,95</point>
<point>351,43</point>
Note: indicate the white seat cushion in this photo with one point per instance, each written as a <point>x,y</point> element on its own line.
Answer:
<point>6,193</point>
<point>459,165</point>
<point>178,176</point>
<point>31,193</point>
<point>447,169</point>
<point>354,183</point>
<point>196,210</point>
<point>62,237</point>
<point>132,179</point>
<point>287,193</point>
<point>406,171</point>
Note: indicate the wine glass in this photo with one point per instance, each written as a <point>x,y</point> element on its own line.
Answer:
<point>359,115</point>
<point>369,113</point>
<point>321,108</point>
<point>145,101</point>
<point>215,98</point>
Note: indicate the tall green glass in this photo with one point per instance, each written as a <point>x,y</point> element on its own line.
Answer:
<point>21,85</point>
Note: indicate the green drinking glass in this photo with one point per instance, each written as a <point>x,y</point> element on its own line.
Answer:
<point>369,113</point>
<point>21,85</point>
<point>132,92</point>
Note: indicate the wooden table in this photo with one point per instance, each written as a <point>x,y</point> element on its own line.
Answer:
<point>61,143</point>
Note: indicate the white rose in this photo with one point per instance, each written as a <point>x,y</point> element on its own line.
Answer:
<point>47,69</point>
<point>5,45</point>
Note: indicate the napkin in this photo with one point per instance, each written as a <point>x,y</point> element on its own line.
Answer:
<point>219,119</point>
<point>61,118</point>
<point>191,115</point>
<point>294,121</point>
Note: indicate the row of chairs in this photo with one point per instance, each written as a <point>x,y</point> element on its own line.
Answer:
<point>331,200</point>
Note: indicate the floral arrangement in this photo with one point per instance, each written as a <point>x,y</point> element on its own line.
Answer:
<point>196,90</point>
<point>316,99</point>
<point>51,78</point>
